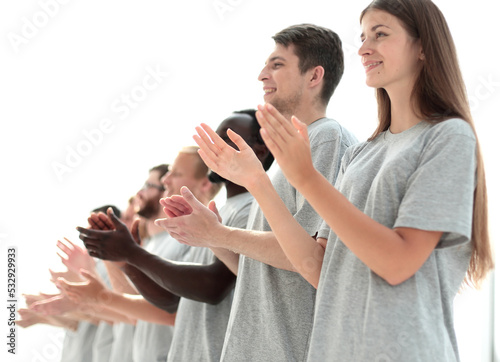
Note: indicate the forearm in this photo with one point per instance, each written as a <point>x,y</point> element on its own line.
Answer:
<point>61,321</point>
<point>259,245</point>
<point>136,307</point>
<point>229,258</point>
<point>301,249</point>
<point>118,279</point>
<point>107,312</point>
<point>204,283</point>
<point>152,292</point>
<point>393,254</point>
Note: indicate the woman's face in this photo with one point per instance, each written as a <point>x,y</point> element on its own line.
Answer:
<point>391,57</point>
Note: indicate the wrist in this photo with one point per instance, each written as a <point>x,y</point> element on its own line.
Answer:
<point>255,183</point>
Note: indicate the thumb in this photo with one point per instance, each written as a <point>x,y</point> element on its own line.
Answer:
<point>87,275</point>
<point>189,197</point>
<point>116,222</point>
<point>237,139</point>
<point>134,229</point>
<point>62,283</point>
<point>212,207</point>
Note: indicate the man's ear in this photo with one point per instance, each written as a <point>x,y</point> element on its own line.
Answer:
<point>316,76</point>
<point>209,189</point>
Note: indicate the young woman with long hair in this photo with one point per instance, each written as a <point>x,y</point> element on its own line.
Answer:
<point>406,223</point>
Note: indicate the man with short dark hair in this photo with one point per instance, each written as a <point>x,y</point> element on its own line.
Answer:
<point>272,312</point>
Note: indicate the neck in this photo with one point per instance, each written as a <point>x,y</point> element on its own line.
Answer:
<point>403,116</point>
<point>307,113</point>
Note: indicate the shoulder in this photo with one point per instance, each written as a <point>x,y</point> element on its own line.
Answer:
<point>453,126</point>
<point>448,132</point>
<point>328,130</point>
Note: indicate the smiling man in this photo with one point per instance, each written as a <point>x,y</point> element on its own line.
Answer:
<point>273,305</point>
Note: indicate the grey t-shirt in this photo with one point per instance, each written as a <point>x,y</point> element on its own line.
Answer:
<point>103,340</point>
<point>422,178</point>
<point>272,312</point>
<point>79,345</point>
<point>121,350</point>
<point>199,327</point>
<point>152,341</point>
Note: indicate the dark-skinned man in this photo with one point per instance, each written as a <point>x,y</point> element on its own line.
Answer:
<point>205,283</point>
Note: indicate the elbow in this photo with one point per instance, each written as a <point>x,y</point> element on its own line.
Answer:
<point>217,295</point>
<point>171,307</point>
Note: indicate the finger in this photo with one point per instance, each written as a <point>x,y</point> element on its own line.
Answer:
<point>135,231</point>
<point>206,144</point>
<point>94,222</point>
<point>87,275</point>
<point>210,159</point>
<point>191,200</point>
<point>278,121</point>
<point>64,257</point>
<point>89,241</point>
<point>168,224</point>
<point>178,205</point>
<point>93,234</point>
<point>63,247</point>
<point>69,242</point>
<point>169,214</point>
<point>107,224</point>
<point>116,222</point>
<point>94,252</point>
<point>216,139</point>
<point>171,208</point>
<point>237,139</point>
<point>268,139</point>
<point>270,126</point>
<point>301,127</point>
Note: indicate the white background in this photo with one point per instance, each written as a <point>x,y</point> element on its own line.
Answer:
<point>64,67</point>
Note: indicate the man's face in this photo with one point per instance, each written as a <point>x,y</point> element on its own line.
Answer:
<point>148,197</point>
<point>282,81</point>
<point>182,173</point>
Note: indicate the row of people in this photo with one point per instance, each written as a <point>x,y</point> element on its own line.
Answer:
<point>351,251</point>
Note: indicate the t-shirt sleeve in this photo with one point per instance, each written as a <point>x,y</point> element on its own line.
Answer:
<point>440,193</point>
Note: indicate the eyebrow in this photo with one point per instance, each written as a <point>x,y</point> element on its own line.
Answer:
<point>276,58</point>
<point>375,27</point>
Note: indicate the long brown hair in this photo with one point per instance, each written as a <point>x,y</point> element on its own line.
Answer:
<point>439,94</point>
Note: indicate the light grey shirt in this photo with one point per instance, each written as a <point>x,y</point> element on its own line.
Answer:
<point>78,345</point>
<point>272,312</point>
<point>103,340</point>
<point>422,178</point>
<point>151,341</point>
<point>200,327</point>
